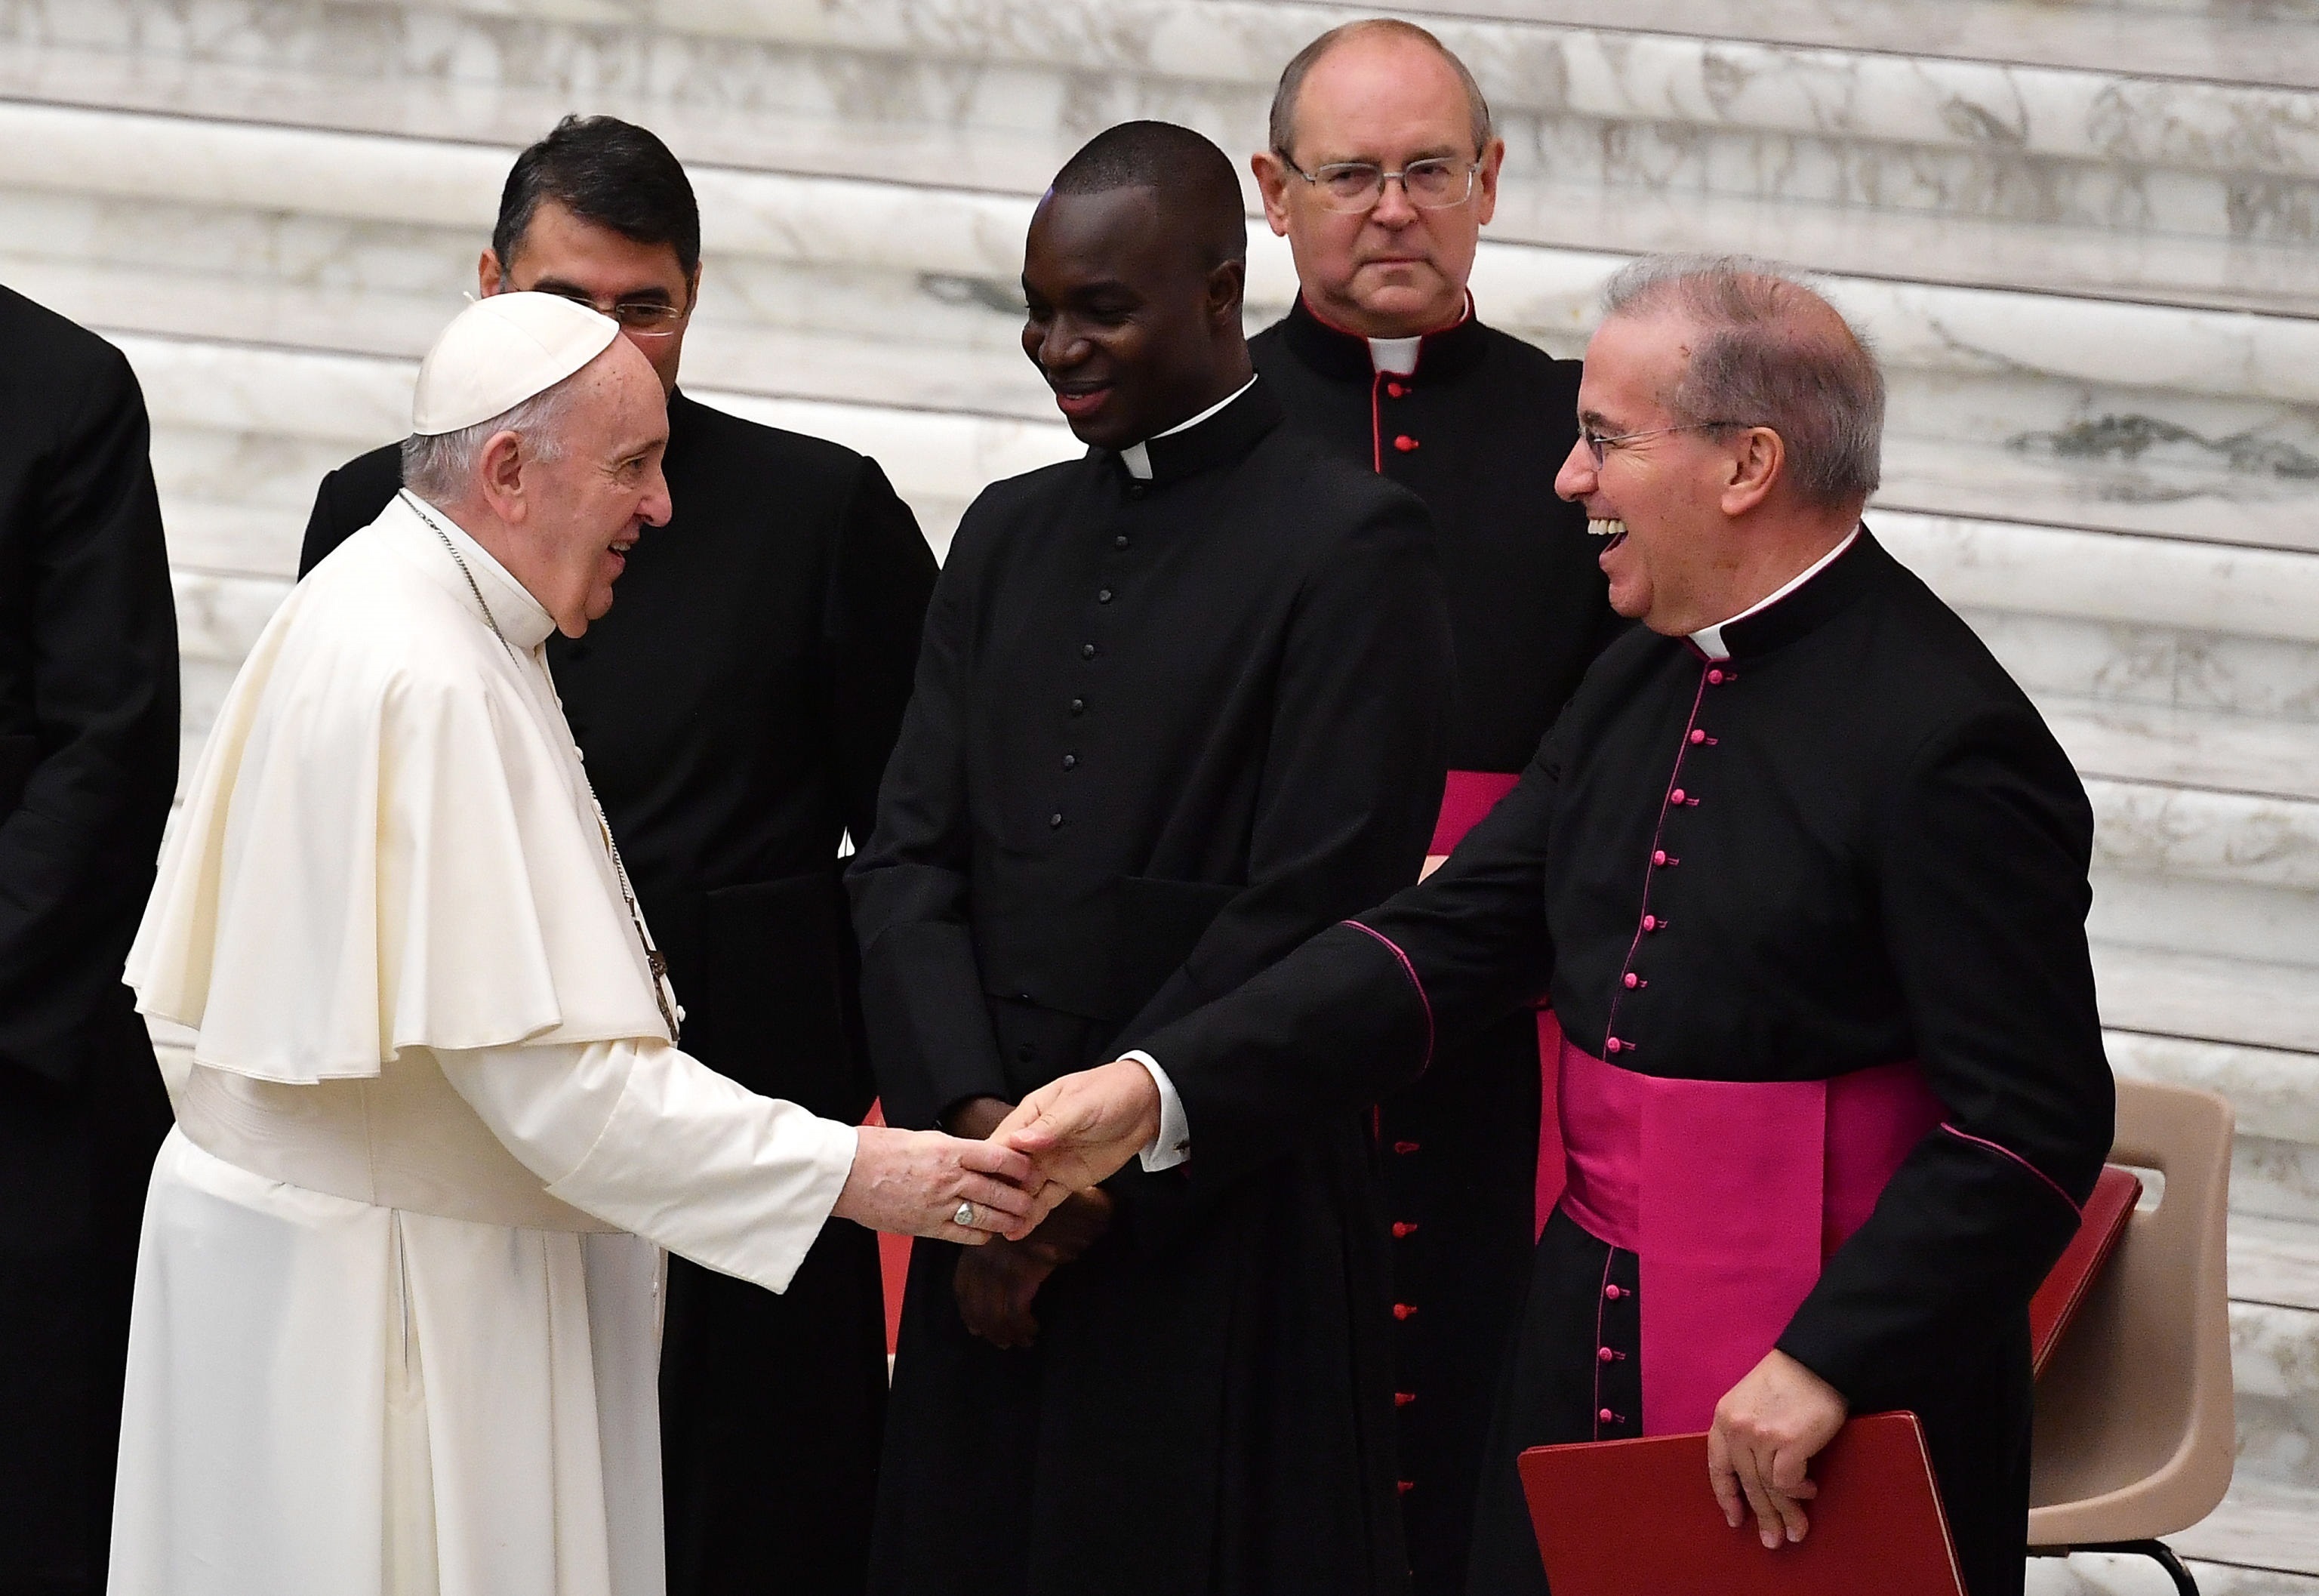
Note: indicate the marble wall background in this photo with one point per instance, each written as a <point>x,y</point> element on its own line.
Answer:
<point>2084,235</point>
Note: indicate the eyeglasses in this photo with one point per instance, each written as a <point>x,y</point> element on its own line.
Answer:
<point>639,318</point>
<point>1351,187</point>
<point>1599,444</point>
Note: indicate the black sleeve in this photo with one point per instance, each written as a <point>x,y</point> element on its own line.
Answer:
<point>922,1002</point>
<point>1982,854</point>
<point>875,610</point>
<point>1364,1007</point>
<point>77,854</point>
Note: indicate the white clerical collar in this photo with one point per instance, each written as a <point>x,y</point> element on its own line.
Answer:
<point>1137,458</point>
<point>1397,358</point>
<point>521,618</point>
<point>1708,640</point>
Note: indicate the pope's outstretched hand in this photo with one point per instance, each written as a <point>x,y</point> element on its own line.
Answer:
<point>1079,1129</point>
<point>923,1183</point>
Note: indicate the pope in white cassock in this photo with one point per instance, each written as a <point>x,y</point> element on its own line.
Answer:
<point>397,1311</point>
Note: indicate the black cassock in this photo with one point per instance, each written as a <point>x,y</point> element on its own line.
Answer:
<point>1850,844</point>
<point>88,761</point>
<point>1477,429</point>
<point>736,708</point>
<point>1162,733</point>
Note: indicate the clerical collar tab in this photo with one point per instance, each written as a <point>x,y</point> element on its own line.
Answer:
<point>1827,588</point>
<point>1217,437</point>
<point>1336,352</point>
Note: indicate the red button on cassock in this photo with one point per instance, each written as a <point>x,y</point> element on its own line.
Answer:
<point>1613,1293</point>
<point>1607,1416</point>
<point>1658,856</point>
<point>1404,443</point>
<point>1675,796</point>
<point>1405,1487</point>
<point>1404,1146</point>
<point>1403,1310</point>
<point>1715,678</point>
<point>1611,1045</point>
<point>1633,980</point>
<point>1697,736</point>
<point>1401,1227</point>
<point>1402,1399</point>
<point>1603,1355</point>
<point>1394,389</point>
<point>1650,921</point>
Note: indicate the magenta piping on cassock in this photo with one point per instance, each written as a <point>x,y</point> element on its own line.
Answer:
<point>1731,1195</point>
<point>2005,1152</point>
<point>1410,970</point>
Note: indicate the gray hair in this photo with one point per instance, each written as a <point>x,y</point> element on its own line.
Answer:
<point>1775,355</point>
<point>440,467</point>
<point>1282,131</point>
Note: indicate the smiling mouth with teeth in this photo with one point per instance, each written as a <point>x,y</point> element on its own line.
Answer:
<point>1615,530</point>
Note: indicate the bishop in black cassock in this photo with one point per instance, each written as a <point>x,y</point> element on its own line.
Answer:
<point>736,708</point>
<point>88,761</point>
<point>1807,887</point>
<point>1179,705</point>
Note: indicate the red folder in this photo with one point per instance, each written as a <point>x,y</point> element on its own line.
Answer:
<point>1625,1518</point>
<point>2057,1301</point>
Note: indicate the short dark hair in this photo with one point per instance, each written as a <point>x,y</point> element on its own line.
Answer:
<point>1197,183</point>
<point>608,172</point>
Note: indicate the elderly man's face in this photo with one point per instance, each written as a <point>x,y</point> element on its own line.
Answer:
<point>1393,271</point>
<point>1122,321</point>
<point>581,512</point>
<point>1658,501</point>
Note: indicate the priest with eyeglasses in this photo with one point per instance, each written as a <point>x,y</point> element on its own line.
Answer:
<point>1382,168</point>
<point>399,1295</point>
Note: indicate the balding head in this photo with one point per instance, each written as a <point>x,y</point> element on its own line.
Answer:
<point>1389,34</point>
<point>1771,353</point>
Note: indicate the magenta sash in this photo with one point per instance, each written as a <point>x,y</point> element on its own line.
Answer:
<point>1466,798</point>
<point>1731,1195</point>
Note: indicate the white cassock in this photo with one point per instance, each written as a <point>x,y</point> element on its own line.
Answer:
<point>397,1315</point>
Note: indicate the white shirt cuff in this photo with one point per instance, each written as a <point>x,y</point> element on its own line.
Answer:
<point>1173,1145</point>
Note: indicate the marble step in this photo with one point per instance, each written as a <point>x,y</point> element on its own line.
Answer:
<point>1955,171</point>
<point>2215,999</point>
<point>2099,1573</point>
<point>2194,39</point>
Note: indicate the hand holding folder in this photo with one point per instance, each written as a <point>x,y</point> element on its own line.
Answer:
<point>1614,1518</point>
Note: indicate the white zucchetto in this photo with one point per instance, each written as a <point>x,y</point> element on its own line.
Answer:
<point>500,351</point>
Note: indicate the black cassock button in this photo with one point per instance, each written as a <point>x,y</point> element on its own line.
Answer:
<point>1119,541</point>
<point>1070,762</point>
<point>1103,596</point>
<point>1086,651</point>
<point>1078,705</point>
<point>1055,819</point>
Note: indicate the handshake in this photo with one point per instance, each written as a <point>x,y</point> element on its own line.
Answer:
<point>1060,1141</point>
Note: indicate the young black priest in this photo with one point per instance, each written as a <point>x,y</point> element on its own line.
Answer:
<point>736,708</point>
<point>1383,357</point>
<point>1805,874</point>
<point>1180,704</point>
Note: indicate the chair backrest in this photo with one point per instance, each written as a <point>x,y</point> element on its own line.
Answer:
<point>2134,1433</point>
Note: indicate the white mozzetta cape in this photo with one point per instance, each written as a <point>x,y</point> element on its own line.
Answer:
<point>385,846</point>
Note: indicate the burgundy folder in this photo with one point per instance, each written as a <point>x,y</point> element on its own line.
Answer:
<point>1625,1518</point>
<point>2057,1301</point>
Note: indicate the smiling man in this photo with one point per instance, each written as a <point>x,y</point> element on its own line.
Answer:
<point>1805,874</point>
<point>737,710</point>
<point>397,1301</point>
<point>1179,706</point>
<point>1381,172</point>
